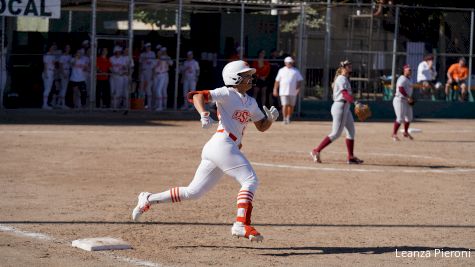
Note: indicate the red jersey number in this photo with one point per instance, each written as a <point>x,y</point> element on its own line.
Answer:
<point>243,116</point>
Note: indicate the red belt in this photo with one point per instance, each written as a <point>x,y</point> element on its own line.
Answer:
<point>232,136</point>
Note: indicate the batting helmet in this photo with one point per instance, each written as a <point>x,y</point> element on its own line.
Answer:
<point>232,72</point>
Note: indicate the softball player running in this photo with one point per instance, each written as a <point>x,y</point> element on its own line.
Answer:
<point>400,102</point>
<point>221,154</point>
<point>341,114</point>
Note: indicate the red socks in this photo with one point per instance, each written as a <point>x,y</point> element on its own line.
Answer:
<point>350,144</point>
<point>396,127</point>
<point>325,142</point>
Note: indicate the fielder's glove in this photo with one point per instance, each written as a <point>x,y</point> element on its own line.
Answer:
<point>362,111</point>
<point>411,101</point>
<point>206,120</point>
<point>272,113</point>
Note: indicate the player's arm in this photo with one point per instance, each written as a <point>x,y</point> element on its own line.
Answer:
<point>263,125</point>
<point>276,88</point>
<point>299,85</point>
<point>199,100</point>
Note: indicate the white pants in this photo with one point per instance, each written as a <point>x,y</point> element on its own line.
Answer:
<point>402,109</point>
<point>48,79</point>
<point>220,156</point>
<point>189,85</point>
<point>118,85</point>
<point>64,83</point>
<point>146,78</point>
<point>342,118</point>
<point>160,84</point>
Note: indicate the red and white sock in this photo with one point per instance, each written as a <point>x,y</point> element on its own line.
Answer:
<point>244,206</point>
<point>175,194</point>
<point>406,127</point>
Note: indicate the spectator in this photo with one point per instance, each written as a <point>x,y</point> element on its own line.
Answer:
<point>161,78</point>
<point>103,65</point>
<point>401,105</point>
<point>262,67</point>
<point>190,73</point>
<point>49,66</point>
<point>147,58</point>
<point>287,85</point>
<point>65,72</point>
<point>426,75</point>
<point>457,76</point>
<point>80,66</point>
<point>118,79</point>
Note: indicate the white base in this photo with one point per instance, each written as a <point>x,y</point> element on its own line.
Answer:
<point>412,130</point>
<point>100,243</point>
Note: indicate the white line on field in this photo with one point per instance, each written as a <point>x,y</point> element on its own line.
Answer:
<point>359,169</point>
<point>40,236</point>
<point>6,228</point>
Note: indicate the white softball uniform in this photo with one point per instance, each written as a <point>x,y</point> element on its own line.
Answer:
<point>65,64</point>
<point>118,80</point>
<point>402,109</point>
<point>221,154</point>
<point>341,114</point>
<point>147,61</point>
<point>160,80</point>
<point>49,61</point>
<point>78,70</point>
<point>288,78</point>
<point>191,69</point>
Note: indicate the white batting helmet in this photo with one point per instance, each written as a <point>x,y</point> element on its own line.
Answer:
<point>233,70</point>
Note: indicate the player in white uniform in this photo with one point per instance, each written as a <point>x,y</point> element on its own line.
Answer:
<point>288,83</point>
<point>49,65</point>
<point>146,61</point>
<point>65,71</point>
<point>190,73</point>
<point>221,154</point>
<point>160,82</point>
<point>401,107</point>
<point>341,114</point>
<point>118,79</point>
<point>79,68</point>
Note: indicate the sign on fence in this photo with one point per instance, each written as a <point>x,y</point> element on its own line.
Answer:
<point>31,8</point>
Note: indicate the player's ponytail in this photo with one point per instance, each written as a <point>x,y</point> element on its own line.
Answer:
<point>338,72</point>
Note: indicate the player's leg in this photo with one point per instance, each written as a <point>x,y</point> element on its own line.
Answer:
<point>227,156</point>
<point>350,139</point>
<point>64,89</point>
<point>206,177</point>
<point>284,100</point>
<point>397,104</point>
<point>407,115</point>
<point>338,123</point>
<point>47,84</point>
<point>186,89</point>
<point>164,90</point>
<point>113,87</point>
<point>464,95</point>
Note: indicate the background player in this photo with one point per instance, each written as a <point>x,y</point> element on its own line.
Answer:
<point>146,62</point>
<point>118,79</point>
<point>221,154</point>
<point>190,73</point>
<point>341,114</point>
<point>65,73</point>
<point>288,83</point>
<point>400,102</point>
<point>49,65</point>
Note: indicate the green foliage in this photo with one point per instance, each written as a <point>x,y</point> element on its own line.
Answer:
<point>313,20</point>
<point>160,17</point>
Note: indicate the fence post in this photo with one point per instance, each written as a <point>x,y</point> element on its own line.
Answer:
<point>396,32</point>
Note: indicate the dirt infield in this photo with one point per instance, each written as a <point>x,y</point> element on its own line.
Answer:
<point>69,181</point>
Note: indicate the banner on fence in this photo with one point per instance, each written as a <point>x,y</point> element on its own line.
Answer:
<point>31,8</point>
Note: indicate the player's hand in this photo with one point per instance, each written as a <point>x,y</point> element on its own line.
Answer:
<point>272,113</point>
<point>206,120</point>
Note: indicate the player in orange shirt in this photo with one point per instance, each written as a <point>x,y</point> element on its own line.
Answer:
<point>457,75</point>
<point>262,67</point>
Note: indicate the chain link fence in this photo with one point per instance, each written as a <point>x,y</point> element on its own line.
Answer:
<point>317,35</point>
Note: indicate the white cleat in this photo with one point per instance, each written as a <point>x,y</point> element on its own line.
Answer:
<point>395,138</point>
<point>315,156</point>
<point>142,206</point>
<point>241,230</point>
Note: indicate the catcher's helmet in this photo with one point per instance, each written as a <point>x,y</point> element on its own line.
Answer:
<point>232,72</point>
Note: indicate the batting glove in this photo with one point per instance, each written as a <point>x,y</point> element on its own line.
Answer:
<point>206,120</point>
<point>272,113</point>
